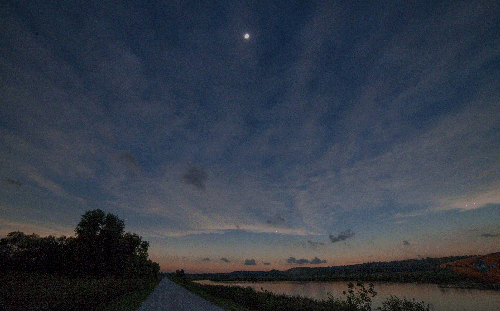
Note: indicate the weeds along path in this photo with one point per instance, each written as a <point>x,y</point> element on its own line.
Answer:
<point>173,297</point>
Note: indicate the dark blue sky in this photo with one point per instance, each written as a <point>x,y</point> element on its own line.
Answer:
<point>343,132</point>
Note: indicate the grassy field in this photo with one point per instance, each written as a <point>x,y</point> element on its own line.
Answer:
<point>32,291</point>
<point>234,298</point>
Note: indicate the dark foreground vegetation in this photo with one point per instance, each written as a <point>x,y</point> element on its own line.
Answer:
<point>98,268</point>
<point>357,297</point>
<point>35,291</point>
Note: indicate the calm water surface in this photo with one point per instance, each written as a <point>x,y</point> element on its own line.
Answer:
<point>440,299</point>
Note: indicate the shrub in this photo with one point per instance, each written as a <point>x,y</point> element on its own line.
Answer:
<point>358,298</point>
<point>394,303</point>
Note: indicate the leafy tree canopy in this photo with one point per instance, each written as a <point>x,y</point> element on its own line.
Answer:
<point>101,248</point>
<point>98,224</point>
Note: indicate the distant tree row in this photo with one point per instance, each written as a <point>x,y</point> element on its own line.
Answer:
<point>100,248</point>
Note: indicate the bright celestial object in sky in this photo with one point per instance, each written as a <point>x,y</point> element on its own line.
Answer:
<point>343,131</point>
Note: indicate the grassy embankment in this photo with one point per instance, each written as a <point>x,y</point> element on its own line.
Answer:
<point>33,291</point>
<point>234,298</point>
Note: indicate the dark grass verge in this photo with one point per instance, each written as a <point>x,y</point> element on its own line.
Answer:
<point>204,292</point>
<point>34,291</point>
<point>132,300</point>
<point>239,298</point>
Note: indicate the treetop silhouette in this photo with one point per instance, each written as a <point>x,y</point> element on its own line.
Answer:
<point>101,248</point>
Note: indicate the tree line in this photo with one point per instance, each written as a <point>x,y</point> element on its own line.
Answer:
<point>100,248</point>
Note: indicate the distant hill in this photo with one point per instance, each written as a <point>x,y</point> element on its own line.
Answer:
<point>424,270</point>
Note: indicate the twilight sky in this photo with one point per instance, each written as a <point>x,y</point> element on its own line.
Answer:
<point>334,134</point>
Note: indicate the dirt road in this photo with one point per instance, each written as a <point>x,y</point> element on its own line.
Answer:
<point>172,297</point>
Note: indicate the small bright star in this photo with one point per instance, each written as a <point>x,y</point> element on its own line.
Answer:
<point>246,36</point>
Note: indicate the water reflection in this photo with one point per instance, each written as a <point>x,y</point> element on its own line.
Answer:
<point>440,299</point>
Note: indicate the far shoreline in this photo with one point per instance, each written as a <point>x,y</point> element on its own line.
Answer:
<point>421,271</point>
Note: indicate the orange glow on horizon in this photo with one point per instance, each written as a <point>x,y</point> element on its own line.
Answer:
<point>193,265</point>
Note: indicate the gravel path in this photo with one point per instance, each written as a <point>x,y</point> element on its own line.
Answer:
<point>170,296</point>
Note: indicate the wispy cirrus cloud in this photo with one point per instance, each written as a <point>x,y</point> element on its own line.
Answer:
<point>323,119</point>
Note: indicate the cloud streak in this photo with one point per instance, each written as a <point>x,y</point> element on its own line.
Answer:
<point>195,176</point>
<point>344,235</point>
<point>489,235</point>
<point>314,261</point>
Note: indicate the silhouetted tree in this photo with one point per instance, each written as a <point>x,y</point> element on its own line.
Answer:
<point>179,273</point>
<point>98,237</point>
<point>96,224</point>
<point>100,248</point>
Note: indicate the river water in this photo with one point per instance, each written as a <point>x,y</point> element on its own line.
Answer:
<point>439,299</point>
